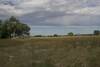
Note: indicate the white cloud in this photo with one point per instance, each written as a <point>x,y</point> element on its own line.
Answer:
<point>69,6</point>
<point>32,3</point>
<point>22,7</point>
<point>10,10</point>
<point>88,11</point>
<point>64,12</point>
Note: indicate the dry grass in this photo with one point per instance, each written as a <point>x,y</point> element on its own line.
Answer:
<point>51,52</point>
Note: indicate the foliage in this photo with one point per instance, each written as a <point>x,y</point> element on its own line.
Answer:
<point>70,34</point>
<point>38,36</point>
<point>13,28</point>
<point>96,32</point>
<point>55,35</point>
<point>0,26</point>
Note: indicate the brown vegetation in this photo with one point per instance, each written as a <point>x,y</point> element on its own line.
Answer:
<point>75,51</point>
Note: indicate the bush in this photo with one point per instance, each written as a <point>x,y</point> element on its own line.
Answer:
<point>55,35</point>
<point>96,32</point>
<point>38,36</point>
<point>70,34</point>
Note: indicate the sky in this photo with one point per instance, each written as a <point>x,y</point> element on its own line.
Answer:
<point>53,12</point>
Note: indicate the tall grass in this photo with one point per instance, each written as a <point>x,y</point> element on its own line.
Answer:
<point>74,51</point>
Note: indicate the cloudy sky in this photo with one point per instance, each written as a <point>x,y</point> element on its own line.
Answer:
<point>53,12</point>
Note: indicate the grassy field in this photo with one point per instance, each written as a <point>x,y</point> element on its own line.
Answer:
<point>51,52</point>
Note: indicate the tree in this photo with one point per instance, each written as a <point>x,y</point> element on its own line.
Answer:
<point>14,28</point>
<point>96,32</point>
<point>0,21</point>
<point>5,30</point>
<point>0,27</point>
<point>13,19</point>
<point>38,36</point>
<point>22,29</point>
<point>55,35</point>
<point>0,24</point>
<point>70,34</point>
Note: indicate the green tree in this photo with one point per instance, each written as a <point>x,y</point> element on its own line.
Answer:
<point>0,27</point>
<point>22,29</point>
<point>13,19</point>
<point>55,35</point>
<point>96,32</point>
<point>70,34</point>
<point>5,30</point>
<point>13,27</point>
<point>0,24</point>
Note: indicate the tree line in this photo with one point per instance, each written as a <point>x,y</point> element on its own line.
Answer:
<point>12,27</point>
<point>96,32</point>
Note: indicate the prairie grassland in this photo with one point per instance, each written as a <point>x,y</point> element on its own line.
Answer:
<point>76,51</point>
